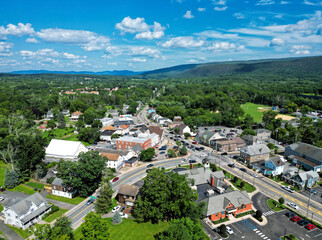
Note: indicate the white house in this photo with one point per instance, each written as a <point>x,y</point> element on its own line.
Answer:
<point>75,116</point>
<point>155,138</point>
<point>114,160</point>
<point>122,130</point>
<point>106,121</point>
<point>64,149</point>
<point>163,121</point>
<point>24,213</point>
<point>106,135</point>
<point>59,189</point>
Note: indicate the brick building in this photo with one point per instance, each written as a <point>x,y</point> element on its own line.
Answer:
<point>128,142</point>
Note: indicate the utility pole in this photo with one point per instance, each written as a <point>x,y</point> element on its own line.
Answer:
<point>254,181</point>
<point>308,204</point>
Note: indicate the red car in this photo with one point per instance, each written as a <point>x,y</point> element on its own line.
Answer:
<point>115,179</point>
<point>310,226</point>
<point>296,219</point>
<point>194,142</point>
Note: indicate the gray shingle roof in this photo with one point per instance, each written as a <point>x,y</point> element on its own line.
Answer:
<point>277,161</point>
<point>307,150</point>
<point>23,206</point>
<point>207,135</point>
<point>129,190</point>
<point>57,182</point>
<point>201,175</point>
<point>36,213</point>
<point>256,149</point>
<point>137,148</point>
<point>219,203</point>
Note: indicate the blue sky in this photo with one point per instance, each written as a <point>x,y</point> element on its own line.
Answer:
<point>144,35</point>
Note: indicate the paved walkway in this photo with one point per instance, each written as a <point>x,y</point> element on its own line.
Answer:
<point>8,232</point>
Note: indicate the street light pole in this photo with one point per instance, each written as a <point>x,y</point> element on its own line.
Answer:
<point>308,204</point>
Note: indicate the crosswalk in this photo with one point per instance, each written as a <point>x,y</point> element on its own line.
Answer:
<point>260,234</point>
<point>268,213</point>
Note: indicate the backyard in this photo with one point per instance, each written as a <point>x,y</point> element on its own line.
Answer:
<point>75,201</point>
<point>129,229</point>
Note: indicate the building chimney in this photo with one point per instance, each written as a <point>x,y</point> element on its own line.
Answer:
<point>212,180</point>
<point>191,166</point>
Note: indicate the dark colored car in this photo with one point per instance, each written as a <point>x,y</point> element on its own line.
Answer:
<point>231,165</point>
<point>162,152</point>
<point>290,214</point>
<point>192,161</point>
<point>148,170</point>
<point>202,148</point>
<point>303,222</point>
<point>243,169</point>
<point>90,201</point>
<point>115,179</point>
<point>150,165</point>
<point>224,153</point>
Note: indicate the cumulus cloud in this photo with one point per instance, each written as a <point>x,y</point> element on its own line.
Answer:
<point>183,42</point>
<point>139,26</point>
<point>201,9</point>
<point>70,56</point>
<point>143,51</point>
<point>39,53</point>
<point>239,15</point>
<point>137,60</point>
<point>5,48</point>
<point>96,43</point>
<point>16,30</point>
<point>284,2</point>
<point>265,2</point>
<point>31,40</point>
<point>220,8</point>
<point>313,2</point>
<point>188,15</point>
<point>219,2</point>
<point>277,42</point>
<point>225,46</point>
<point>112,51</point>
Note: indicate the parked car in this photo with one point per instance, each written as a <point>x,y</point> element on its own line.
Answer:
<point>229,230</point>
<point>303,222</point>
<point>54,171</point>
<point>115,179</point>
<point>194,142</point>
<point>314,191</point>
<point>148,170</point>
<point>232,165</point>
<point>203,155</point>
<point>124,215</point>
<point>293,205</point>
<point>192,161</point>
<point>162,152</point>
<point>150,165</point>
<point>296,219</point>
<point>224,153</point>
<point>116,208</point>
<point>156,155</point>
<point>1,198</point>
<point>243,169</point>
<point>90,201</point>
<point>254,175</point>
<point>310,226</point>
<point>290,214</point>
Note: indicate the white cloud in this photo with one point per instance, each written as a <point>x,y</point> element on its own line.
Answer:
<point>302,52</point>
<point>220,8</point>
<point>16,30</point>
<point>66,35</point>
<point>39,53</point>
<point>239,15</point>
<point>79,61</point>
<point>219,35</point>
<point>112,51</point>
<point>300,49</point>
<point>5,48</point>
<point>139,26</point>
<point>8,62</point>
<point>219,2</point>
<point>188,15</point>
<point>137,60</point>
<point>129,25</point>
<point>277,42</point>
<point>49,60</point>
<point>183,42</point>
<point>143,51</point>
<point>112,63</point>
<point>284,2</point>
<point>201,9</point>
<point>97,43</point>
<point>225,46</point>
<point>70,56</point>
<point>313,3</point>
<point>265,2</point>
<point>31,40</point>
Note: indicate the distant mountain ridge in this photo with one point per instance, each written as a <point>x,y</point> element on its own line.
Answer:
<point>115,72</point>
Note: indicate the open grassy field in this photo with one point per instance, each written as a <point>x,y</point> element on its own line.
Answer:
<point>3,168</point>
<point>22,188</point>
<point>255,110</point>
<point>75,200</point>
<point>130,230</point>
<point>35,185</point>
<point>22,233</point>
<point>55,215</point>
<point>73,137</point>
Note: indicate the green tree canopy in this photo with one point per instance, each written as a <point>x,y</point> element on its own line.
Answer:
<point>94,227</point>
<point>147,155</point>
<point>104,202</point>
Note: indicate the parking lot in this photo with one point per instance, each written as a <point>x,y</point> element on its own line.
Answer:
<point>278,224</point>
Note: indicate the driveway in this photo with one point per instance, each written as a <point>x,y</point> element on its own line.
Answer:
<point>8,232</point>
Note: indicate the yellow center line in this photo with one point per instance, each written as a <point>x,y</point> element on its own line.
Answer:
<point>81,212</point>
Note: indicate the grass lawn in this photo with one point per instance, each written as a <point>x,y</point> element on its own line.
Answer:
<point>248,187</point>
<point>129,230</point>
<point>1,208</point>
<point>35,185</point>
<point>252,109</point>
<point>73,137</point>
<point>22,233</point>
<point>22,188</point>
<point>75,200</point>
<point>274,205</point>
<point>55,215</point>
<point>3,168</point>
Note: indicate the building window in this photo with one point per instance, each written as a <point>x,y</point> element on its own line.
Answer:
<point>223,212</point>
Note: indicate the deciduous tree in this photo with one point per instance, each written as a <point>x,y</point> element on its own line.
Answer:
<point>94,227</point>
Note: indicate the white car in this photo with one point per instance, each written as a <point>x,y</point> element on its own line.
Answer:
<point>117,208</point>
<point>229,230</point>
<point>124,215</point>
<point>1,199</point>
<point>254,175</point>
<point>293,205</point>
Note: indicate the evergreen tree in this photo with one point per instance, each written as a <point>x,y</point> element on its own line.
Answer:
<point>61,121</point>
<point>116,219</point>
<point>104,202</point>
<point>12,179</point>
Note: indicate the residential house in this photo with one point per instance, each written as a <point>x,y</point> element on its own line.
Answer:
<point>177,119</point>
<point>301,178</point>
<point>125,154</point>
<point>59,189</point>
<point>157,130</point>
<point>64,149</point>
<point>109,127</point>
<point>151,110</point>
<point>137,149</point>
<point>155,139</point>
<point>250,139</point>
<point>128,142</point>
<point>25,212</point>
<point>132,162</point>
<point>155,117</point>
<point>183,128</point>
<point>49,115</point>
<point>75,116</point>
<point>106,121</point>
<point>255,153</point>
<point>123,130</point>
<point>240,142</point>
<point>209,137</point>
<point>120,122</point>
<point>127,194</point>
<point>306,155</point>
<point>114,160</point>
<point>230,145</point>
<point>263,134</point>
<point>106,135</point>
<point>274,166</point>
<point>227,205</point>
<point>163,121</point>
<point>66,112</point>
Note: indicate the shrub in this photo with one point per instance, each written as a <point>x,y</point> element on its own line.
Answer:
<point>52,164</point>
<point>116,219</point>
<point>12,179</point>
<point>235,179</point>
<point>281,200</point>
<point>223,228</point>
<point>50,180</point>
<point>242,184</point>
<point>258,214</point>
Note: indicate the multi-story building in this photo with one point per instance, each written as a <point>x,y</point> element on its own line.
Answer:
<point>128,142</point>
<point>255,153</point>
